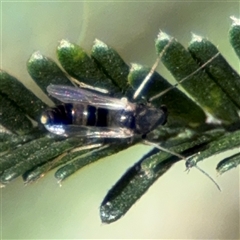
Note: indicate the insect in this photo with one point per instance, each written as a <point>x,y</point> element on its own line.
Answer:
<point>91,114</point>
<point>87,113</point>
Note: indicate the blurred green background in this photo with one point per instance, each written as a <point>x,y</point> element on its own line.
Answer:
<point>178,205</point>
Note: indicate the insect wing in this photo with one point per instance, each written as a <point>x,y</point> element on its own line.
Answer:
<point>68,94</point>
<point>90,132</point>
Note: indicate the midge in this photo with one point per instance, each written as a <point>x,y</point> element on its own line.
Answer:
<point>94,115</point>
<point>85,112</point>
<point>91,114</point>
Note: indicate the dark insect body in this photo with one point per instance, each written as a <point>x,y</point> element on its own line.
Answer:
<point>90,114</point>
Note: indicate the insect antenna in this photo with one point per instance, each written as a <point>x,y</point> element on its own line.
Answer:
<point>148,77</point>
<point>184,79</point>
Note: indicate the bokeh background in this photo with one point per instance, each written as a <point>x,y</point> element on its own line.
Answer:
<point>178,205</point>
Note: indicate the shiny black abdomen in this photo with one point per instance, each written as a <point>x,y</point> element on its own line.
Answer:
<point>87,115</point>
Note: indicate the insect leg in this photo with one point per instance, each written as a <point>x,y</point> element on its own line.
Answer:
<point>40,171</point>
<point>79,162</point>
<point>84,85</point>
<point>182,157</point>
<point>163,149</point>
<point>205,173</point>
<point>147,78</point>
<point>91,146</point>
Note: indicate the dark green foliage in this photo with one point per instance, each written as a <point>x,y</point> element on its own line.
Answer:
<point>20,154</point>
<point>80,66</point>
<point>86,159</point>
<point>234,35</point>
<point>112,64</point>
<point>9,142</point>
<point>136,181</point>
<point>45,153</point>
<point>228,163</point>
<point>200,85</point>
<point>35,173</point>
<point>12,117</point>
<point>215,147</point>
<point>31,152</point>
<point>219,69</point>
<point>14,89</point>
<point>44,71</point>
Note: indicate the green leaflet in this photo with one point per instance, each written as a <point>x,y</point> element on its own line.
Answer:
<point>12,117</point>
<point>228,163</point>
<point>20,154</point>
<point>45,71</point>
<point>234,35</point>
<point>111,63</point>
<point>30,104</point>
<point>9,142</point>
